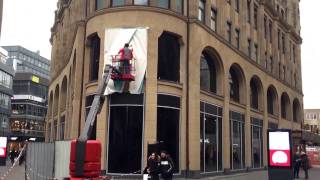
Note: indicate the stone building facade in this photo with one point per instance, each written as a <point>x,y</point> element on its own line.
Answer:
<point>219,74</point>
<point>312,120</point>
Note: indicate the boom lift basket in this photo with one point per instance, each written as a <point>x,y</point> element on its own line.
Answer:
<point>123,70</point>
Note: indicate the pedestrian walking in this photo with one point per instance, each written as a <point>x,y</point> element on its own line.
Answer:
<point>153,167</point>
<point>296,164</point>
<point>305,164</point>
<point>12,155</point>
<point>166,166</point>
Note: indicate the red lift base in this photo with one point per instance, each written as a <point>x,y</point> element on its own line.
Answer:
<point>91,165</point>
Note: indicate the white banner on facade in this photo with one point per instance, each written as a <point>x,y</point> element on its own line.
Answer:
<point>115,39</point>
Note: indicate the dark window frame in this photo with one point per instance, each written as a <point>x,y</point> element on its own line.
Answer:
<point>202,11</point>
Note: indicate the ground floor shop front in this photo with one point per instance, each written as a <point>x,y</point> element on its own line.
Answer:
<point>221,140</point>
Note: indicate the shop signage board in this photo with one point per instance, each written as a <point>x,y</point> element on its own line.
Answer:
<point>280,154</point>
<point>3,150</point>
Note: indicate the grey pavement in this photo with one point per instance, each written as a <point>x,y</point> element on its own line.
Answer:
<point>17,172</point>
<point>314,174</point>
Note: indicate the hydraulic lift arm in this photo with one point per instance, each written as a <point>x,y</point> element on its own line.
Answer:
<point>96,104</point>
<point>81,142</point>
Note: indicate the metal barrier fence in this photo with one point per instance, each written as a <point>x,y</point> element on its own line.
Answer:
<point>47,160</point>
<point>40,160</point>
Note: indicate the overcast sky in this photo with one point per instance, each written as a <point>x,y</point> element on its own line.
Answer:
<point>28,22</point>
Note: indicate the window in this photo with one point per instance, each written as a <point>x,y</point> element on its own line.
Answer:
<point>117,3</point>
<point>284,72</point>
<point>256,53</point>
<point>169,57</point>
<point>237,33</point>
<point>62,126</point>
<point>99,4</point>
<point>49,132</point>
<point>294,53</point>
<point>271,64</point>
<point>290,50</point>
<point>234,85</point>
<point>237,137</point>
<point>255,16</point>
<point>249,11</point>
<point>140,2</point>
<point>213,23</point>
<point>229,32</point>
<point>284,106</point>
<point>256,143</point>
<point>163,3</point>
<point>168,118</point>
<point>280,69</point>
<point>279,39</point>
<point>55,129</point>
<point>266,61</point>
<point>265,27</point>
<point>202,5</point>
<point>237,5</point>
<point>271,100</point>
<point>210,137</point>
<point>94,57</point>
<point>283,43</point>
<point>254,95</point>
<point>208,81</point>
<point>177,6</point>
<point>249,48</point>
<point>125,133</point>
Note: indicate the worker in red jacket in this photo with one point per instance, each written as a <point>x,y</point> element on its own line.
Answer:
<point>126,54</point>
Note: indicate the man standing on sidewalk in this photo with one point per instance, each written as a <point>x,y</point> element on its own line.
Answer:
<point>296,165</point>
<point>305,164</point>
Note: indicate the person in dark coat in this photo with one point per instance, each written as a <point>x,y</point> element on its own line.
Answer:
<point>12,155</point>
<point>296,165</point>
<point>153,167</point>
<point>166,166</point>
<point>305,164</point>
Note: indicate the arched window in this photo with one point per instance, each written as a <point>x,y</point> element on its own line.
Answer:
<point>256,93</point>
<point>254,96</point>
<point>169,57</point>
<point>56,101</point>
<point>285,105</point>
<point>296,111</point>
<point>272,100</point>
<point>94,57</point>
<point>208,78</point>
<point>63,94</point>
<point>234,85</point>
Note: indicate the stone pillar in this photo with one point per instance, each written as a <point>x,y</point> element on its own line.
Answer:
<point>80,43</point>
<point>150,109</point>
<point>226,124</point>
<point>194,106</point>
<point>265,126</point>
<point>247,127</point>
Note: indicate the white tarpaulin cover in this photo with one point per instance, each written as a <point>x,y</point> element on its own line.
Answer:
<point>115,38</point>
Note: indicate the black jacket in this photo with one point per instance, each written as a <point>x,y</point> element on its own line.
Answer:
<point>304,161</point>
<point>153,166</point>
<point>167,167</point>
<point>296,160</point>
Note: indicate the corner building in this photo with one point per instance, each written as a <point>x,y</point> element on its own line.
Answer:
<point>219,74</point>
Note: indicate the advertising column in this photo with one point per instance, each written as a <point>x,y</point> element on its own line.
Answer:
<point>280,154</point>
